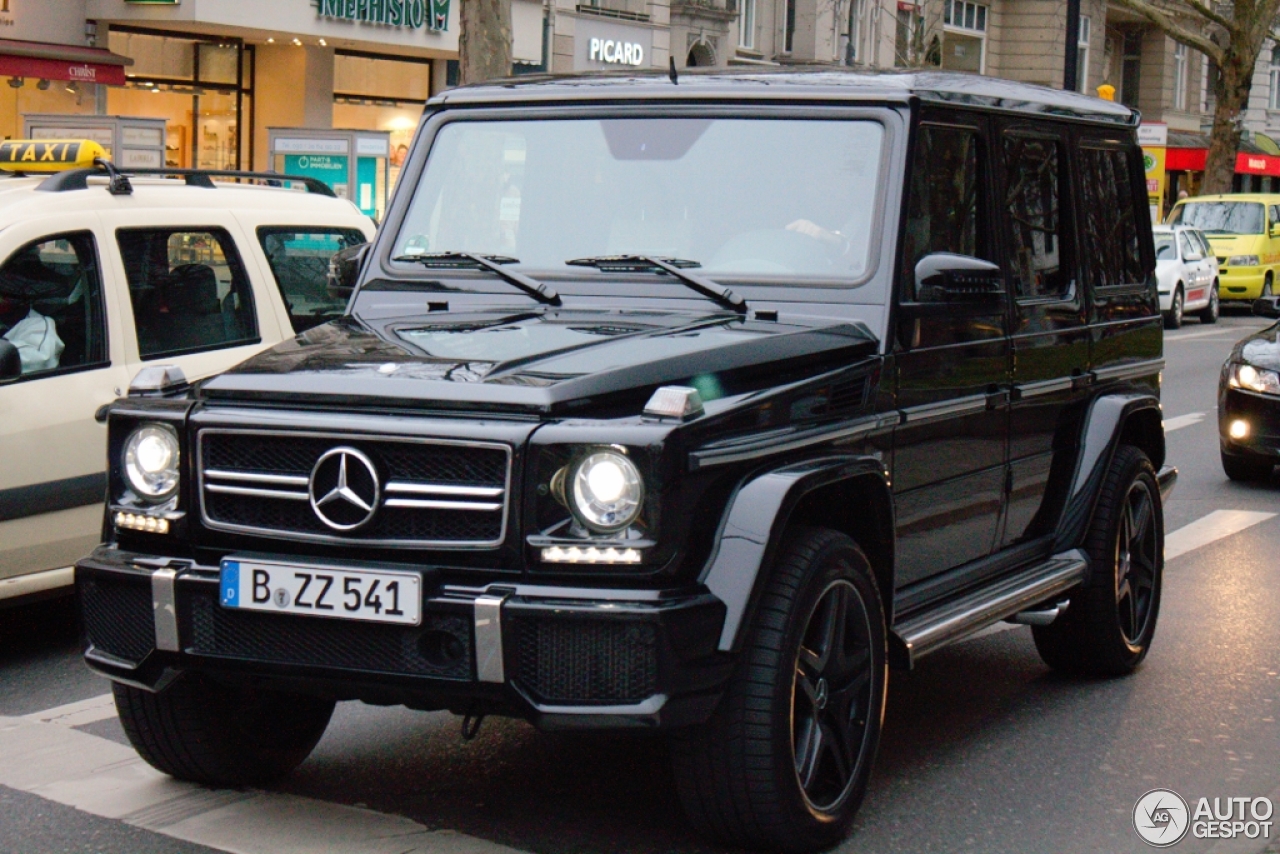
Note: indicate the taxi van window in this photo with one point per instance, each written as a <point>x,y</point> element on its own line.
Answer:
<point>51,305</point>
<point>299,260</point>
<point>1112,254</point>
<point>189,290</point>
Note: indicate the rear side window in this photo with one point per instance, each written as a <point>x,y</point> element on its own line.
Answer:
<point>944,203</point>
<point>1112,253</point>
<point>299,260</point>
<point>189,290</point>
<point>51,305</point>
<point>1033,209</point>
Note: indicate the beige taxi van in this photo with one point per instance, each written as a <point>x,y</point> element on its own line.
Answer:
<point>103,273</point>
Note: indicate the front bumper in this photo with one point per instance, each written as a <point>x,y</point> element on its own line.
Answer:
<point>1261,412</point>
<point>1240,282</point>
<point>560,657</point>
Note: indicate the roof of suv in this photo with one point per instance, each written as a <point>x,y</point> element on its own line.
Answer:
<point>825,83</point>
<point>21,196</point>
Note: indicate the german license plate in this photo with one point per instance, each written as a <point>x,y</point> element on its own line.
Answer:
<point>378,596</point>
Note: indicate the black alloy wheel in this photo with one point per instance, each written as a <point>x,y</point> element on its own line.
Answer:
<point>784,761</point>
<point>831,697</point>
<point>1173,317</point>
<point>1108,627</point>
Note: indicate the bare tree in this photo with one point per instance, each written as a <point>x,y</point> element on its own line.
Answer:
<point>1231,35</point>
<point>484,40</point>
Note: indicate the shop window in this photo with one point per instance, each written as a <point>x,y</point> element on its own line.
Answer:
<point>1032,207</point>
<point>1111,253</point>
<point>189,290</point>
<point>945,211</point>
<point>51,305</point>
<point>299,260</point>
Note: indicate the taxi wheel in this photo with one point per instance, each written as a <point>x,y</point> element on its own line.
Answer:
<point>1209,314</point>
<point>1266,286</point>
<point>784,761</point>
<point>205,732</point>
<point>1108,627</point>
<point>1173,317</point>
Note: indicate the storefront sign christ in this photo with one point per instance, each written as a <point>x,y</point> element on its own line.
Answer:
<point>414,14</point>
<point>600,44</point>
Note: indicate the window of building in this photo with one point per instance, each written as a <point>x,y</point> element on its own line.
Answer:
<point>945,211</point>
<point>747,25</point>
<point>1111,253</point>
<point>1032,207</point>
<point>964,36</point>
<point>855,32</point>
<point>189,290</point>
<point>1179,76</point>
<point>1131,68</point>
<point>1273,98</point>
<point>51,305</point>
<point>1082,54</point>
<point>908,41</point>
<point>789,32</point>
<point>299,260</point>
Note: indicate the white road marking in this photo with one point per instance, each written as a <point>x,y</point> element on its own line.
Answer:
<point>1177,423</point>
<point>106,779</point>
<point>1187,336</point>
<point>88,711</point>
<point>1208,529</point>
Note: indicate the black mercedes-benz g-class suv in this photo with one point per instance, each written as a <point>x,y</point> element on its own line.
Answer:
<point>688,404</point>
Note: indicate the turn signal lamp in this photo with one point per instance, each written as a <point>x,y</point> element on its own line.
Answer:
<point>674,401</point>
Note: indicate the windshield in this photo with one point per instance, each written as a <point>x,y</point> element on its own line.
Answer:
<point>742,197</point>
<point>1221,217</point>
<point>1164,246</point>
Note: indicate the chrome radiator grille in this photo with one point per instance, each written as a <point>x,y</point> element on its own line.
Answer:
<point>354,489</point>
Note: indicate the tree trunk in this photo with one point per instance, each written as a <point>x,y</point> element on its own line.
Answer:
<point>484,40</point>
<point>1231,90</point>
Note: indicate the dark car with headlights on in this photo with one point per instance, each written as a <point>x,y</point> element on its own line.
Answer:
<point>624,430</point>
<point>1249,401</point>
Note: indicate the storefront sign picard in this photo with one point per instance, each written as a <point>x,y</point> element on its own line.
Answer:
<point>414,14</point>
<point>616,52</point>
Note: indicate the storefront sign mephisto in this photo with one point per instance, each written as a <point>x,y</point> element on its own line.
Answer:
<point>414,14</point>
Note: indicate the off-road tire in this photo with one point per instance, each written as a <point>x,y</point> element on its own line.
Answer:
<point>1104,632</point>
<point>1211,312</point>
<point>207,733</point>
<point>1246,467</point>
<point>1173,317</point>
<point>737,775</point>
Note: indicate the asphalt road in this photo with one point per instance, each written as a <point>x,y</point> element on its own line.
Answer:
<point>984,749</point>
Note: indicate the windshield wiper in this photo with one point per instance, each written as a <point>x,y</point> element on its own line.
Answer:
<point>676,267</point>
<point>492,263</point>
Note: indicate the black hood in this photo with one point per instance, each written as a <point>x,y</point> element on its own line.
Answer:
<point>541,361</point>
<point>1261,349</point>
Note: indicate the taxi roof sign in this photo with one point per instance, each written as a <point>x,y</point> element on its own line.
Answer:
<point>49,155</point>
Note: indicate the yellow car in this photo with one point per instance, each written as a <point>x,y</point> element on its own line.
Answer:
<point>1244,233</point>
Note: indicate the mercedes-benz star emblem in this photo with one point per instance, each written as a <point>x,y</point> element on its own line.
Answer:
<point>344,489</point>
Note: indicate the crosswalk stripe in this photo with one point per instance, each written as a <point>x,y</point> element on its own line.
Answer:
<point>92,710</point>
<point>1188,336</point>
<point>1210,528</point>
<point>103,778</point>
<point>1180,421</point>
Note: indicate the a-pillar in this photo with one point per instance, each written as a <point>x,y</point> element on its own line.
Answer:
<point>292,88</point>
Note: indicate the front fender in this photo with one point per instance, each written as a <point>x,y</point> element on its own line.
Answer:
<point>1134,418</point>
<point>752,527</point>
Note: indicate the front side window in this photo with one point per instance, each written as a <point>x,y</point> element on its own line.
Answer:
<point>299,261</point>
<point>1033,210</point>
<point>51,305</point>
<point>550,191</point>
<point>1164,246</point>
<point>944,202</point>
<point>1111,253</point>
<point>189,290</point>
<point>1221,217</point>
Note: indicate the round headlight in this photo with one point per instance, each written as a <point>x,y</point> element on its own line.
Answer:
<point>151,456</point>
<point>607,492</point>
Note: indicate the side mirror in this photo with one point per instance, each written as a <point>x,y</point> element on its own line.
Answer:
<point>10,361</point>
<point>1267,307</point>
<point>949,278</point>
<point>344,269</point>
<point>1275,229</point>
<point>1194,256</point>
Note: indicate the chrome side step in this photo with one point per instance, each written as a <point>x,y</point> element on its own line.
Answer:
<point>920,635</point>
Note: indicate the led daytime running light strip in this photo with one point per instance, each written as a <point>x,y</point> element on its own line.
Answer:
<point>138,522</point>
<point>591,554</point>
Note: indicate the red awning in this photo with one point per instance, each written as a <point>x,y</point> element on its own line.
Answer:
<point>1185,159</point>
<point>61,62</point>
<point>1257,164</point>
